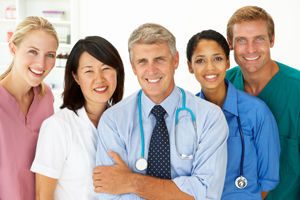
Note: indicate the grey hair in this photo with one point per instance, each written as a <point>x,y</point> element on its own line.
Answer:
<point>151,33</point>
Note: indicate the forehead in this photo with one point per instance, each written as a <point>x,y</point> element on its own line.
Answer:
<point>87,59</point>
<point>250,28</point>
<point>208,45</point>
<point>39,39</point>
<point>149,51</point>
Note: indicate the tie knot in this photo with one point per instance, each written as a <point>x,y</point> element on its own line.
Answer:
<point>158,111</point>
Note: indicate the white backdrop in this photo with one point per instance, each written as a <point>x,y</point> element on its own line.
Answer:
<point>116,19</point>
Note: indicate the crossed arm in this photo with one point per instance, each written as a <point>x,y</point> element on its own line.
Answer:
<point>200,178</point>
<point>119,179</point>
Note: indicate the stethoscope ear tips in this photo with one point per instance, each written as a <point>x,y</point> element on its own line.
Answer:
<point>241,182</point>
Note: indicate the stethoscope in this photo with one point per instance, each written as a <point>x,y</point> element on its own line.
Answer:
<point>141,164</point>
<point>241,182</point>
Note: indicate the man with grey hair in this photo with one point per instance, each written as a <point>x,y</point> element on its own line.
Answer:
<point>186,152</point>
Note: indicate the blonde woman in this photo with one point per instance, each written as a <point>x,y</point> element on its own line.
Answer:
<point>25,102</point>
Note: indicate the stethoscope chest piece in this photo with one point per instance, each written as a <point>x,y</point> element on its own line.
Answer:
<point>141,164</point>
<point>241,182</point>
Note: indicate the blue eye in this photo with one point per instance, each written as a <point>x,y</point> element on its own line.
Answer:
<point>32,51</point>
<point>50,56</point>
<point>260,39</point>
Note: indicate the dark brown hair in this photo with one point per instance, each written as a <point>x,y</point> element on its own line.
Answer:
<point>103,51</point>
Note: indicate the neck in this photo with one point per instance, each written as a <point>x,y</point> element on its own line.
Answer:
<point>94,112</point>
<point>16,86</point>
<point>254,83</point>
<point>157,99</point>
<point>217,95</point>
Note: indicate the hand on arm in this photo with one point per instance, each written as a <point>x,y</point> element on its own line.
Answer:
<point>119,179</point>
<point>45,187</point>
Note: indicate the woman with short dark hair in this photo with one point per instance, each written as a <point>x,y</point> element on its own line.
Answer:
<point>253,142</point>
<point>65,155</point>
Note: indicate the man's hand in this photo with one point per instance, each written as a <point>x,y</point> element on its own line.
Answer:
<point>113,179</point>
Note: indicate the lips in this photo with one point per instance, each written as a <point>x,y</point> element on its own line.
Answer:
<point>100,89</point>
<point>153,80</point>
<point>35,71</point>
<point>210,76</point>
<point>255,58</point>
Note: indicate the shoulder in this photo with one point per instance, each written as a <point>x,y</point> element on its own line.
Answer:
<point>63,117</point>
<point>231,73</point>
<point>199,105</point>
<point>124,105</point>
<point>252,103</point>
<point>289,73</point>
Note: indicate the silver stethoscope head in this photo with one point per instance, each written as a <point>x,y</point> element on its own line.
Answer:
<point>241,182</point>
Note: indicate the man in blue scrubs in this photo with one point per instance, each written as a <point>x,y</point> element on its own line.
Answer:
<point>250,33</point>
<point>154,59</point>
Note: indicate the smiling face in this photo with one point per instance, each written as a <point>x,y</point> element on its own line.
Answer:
<point>34,58</point>
<point>251,45</point>
<point>209,64</point>
<point>96,80</point>
<point>154,66</point>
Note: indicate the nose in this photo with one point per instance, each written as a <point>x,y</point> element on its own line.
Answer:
<point>99,77</point>
<point>151,68</point>
<point>250,48</point>
<point>210,65</point>
<point>40,61</point>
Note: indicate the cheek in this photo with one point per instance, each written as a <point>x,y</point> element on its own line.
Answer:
<point>50,62</point>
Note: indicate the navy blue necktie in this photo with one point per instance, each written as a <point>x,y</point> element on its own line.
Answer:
<point>159,149</point>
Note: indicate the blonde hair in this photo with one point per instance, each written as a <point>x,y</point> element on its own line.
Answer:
<point>25,26</point>
<point>150,33</point>
<point>250,13</point>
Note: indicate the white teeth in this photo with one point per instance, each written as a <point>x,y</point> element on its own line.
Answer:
<point>101,89</point>
<point>36,71</point>
<point>153,80</point>
<point>252,58</point>
<point>211,76</point>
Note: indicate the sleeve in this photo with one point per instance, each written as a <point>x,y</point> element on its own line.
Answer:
<point>268,150</point>
<point>52,149</point>
<point>109,138</point>
<point>209,167</point>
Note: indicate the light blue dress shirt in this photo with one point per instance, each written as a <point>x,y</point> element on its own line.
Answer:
<point>262,148</point>
<point>203,176</point>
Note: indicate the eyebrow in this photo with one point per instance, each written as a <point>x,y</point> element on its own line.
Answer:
<point>90,66</point>
<point>39,49</point>
<point>215,54</point>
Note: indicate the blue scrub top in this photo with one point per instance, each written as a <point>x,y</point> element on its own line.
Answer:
<point>262,148</point>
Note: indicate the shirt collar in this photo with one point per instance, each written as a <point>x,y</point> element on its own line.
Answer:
<point>169,104</point>
<point>230,103</point>
<point>83,115</point>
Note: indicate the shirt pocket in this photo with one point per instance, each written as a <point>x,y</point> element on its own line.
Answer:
<point>289,157</point>
<point>185,136</point>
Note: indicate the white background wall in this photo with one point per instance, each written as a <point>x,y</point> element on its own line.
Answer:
<point>116,19</point>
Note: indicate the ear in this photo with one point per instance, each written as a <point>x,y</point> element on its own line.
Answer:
<point>272,41</point>
<point>227,63</point>
<point>12,48</point>
<point>176,60</point>
<point>230,45</point>
<point>190,67</point>
<point>133,67</point>
<point>75,78</point>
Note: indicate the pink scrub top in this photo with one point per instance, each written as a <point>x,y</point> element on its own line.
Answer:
<point>18,138</point>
